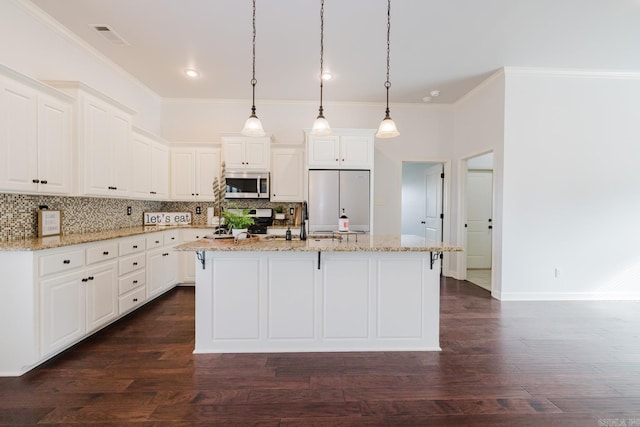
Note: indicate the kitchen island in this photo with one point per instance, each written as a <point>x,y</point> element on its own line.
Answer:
<point>328,293</point>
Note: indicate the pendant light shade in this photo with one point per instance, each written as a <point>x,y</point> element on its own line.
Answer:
<point>321,125</point>
<point>388,127</point>
<point>253,126</point>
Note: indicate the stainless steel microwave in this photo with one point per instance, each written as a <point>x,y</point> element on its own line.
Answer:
<point>247,185</point>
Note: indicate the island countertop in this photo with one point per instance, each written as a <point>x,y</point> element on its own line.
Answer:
<point>322,243</point>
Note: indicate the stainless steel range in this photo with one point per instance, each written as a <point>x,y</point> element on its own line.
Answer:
<point>263,218</point>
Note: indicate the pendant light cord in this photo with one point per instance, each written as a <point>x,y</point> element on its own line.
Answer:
<point>321,53</point>
<point>387,84</point>
<point>253,78</point>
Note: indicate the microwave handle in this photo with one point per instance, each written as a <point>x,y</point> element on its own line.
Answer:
<point>258,187</point>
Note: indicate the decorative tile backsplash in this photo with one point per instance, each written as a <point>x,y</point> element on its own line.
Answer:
<point>19,218</point>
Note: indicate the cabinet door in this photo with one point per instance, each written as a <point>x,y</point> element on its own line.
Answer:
<point>356,151</point>
<point>182,174</point>
<point>62,312</point>
<point>159,172</point>
<point>207,168</point>
<point>121,155</point>
<point>155,272</point>
<point>233,152</point>
<point>18,138</point>
<point>287,175</point>
<point>256,154</point>
<point>171,268</point>
<point>98,149</point>
<point>102,295</point>
<point>54,145</point>
<point>141,171</point>
<point>324,151</point>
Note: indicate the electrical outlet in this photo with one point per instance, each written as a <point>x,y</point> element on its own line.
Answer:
<point>128,210</point>
<point>556,273</point>
<point>290,211</point>
<point>198,210</point>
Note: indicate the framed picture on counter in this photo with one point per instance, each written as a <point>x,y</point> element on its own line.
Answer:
<point>49,223</point>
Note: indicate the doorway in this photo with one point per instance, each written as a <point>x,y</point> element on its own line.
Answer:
<point>479,220</point>
<point>422,195</point>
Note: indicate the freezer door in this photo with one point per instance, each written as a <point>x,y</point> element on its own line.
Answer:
<point>323,203</point>
<point>354,198</point>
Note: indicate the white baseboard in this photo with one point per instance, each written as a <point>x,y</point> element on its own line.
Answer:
<point>569,296</point>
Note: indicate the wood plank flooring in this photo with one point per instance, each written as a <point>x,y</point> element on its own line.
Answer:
<point>502,364</point>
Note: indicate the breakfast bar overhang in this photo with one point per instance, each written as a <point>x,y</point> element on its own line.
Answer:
<point>380,293</point>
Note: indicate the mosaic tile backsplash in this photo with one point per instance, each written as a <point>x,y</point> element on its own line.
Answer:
<point>19,218</point>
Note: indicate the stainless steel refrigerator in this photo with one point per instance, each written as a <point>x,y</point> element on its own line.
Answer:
<point>330,191</point>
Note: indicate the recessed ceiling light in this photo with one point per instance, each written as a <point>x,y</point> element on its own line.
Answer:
<point>190,72</point>
<point>435,93</point>
<point>327,75</point>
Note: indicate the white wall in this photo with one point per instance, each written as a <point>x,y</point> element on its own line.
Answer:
<point>31,45</point>
<point>478,128</point>
<point>571,198</point>
<point>426,135</point>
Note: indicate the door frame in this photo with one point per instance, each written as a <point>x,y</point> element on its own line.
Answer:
<point>462,218</point>
<point>446,209</point>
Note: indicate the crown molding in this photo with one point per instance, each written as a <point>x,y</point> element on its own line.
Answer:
<point>571,73</point>
<point>47,20</point>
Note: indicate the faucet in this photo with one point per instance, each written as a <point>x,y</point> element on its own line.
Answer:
<point>303,225</point>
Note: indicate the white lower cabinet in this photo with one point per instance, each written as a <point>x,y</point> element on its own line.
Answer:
<point>187,259</point>
<point>62,312</point>
<point>60,296</point>
<point>162,263</point>
<point>75,304</point>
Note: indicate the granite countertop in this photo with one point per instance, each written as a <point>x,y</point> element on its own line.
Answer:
<point>324,243</point>
<point>37,244</point>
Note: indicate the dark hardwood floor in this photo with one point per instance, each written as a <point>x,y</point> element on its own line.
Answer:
<point>502,364</point>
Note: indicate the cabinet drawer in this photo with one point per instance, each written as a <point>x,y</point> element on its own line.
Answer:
<point>131,263</point>
<point>131,300</point>
<point>131,281</point>
<point>194,234</point>
<point>102,252</point>
<point>155,241</point>
<point>171,237</point>
<point>63,261</point>
<point>131,246</point>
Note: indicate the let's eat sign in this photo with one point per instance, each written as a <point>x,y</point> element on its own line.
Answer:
<point>166,218</point>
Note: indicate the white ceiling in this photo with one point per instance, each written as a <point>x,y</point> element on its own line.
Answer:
<point>450,45</point>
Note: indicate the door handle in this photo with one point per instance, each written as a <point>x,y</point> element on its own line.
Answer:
<point>423,222</point>
<point>490,227</point>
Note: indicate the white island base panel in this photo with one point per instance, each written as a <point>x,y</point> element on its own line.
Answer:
<point>299,302</point>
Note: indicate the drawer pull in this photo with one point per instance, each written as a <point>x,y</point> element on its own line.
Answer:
<point>35,181</point>
<point>85,280</point>
<point>135,281</point>
<point>105,253</point>
<point>135,300</point>
<point>135,263</point>
<point>90,277</point>
<point>66,261</point>
<point>157,241</point>
<point>135,246</point>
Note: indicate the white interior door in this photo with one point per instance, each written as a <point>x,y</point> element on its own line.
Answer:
<point>433,203</point>
<point>479,221</point>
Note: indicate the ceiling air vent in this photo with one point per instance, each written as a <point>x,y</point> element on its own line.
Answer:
<point>110,35</point>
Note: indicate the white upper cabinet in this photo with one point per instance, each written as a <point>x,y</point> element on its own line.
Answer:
<point>287,174</point>
<point>35,136</point>
<point>246,153</point>
<point>150,170</point>
<point>192,173</point>
<point>103,129</point>
<point>345,149</point>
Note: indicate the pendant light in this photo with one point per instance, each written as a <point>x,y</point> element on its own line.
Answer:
<point>253,126</point>
<point>321,125</point>
<point>388,127</point>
